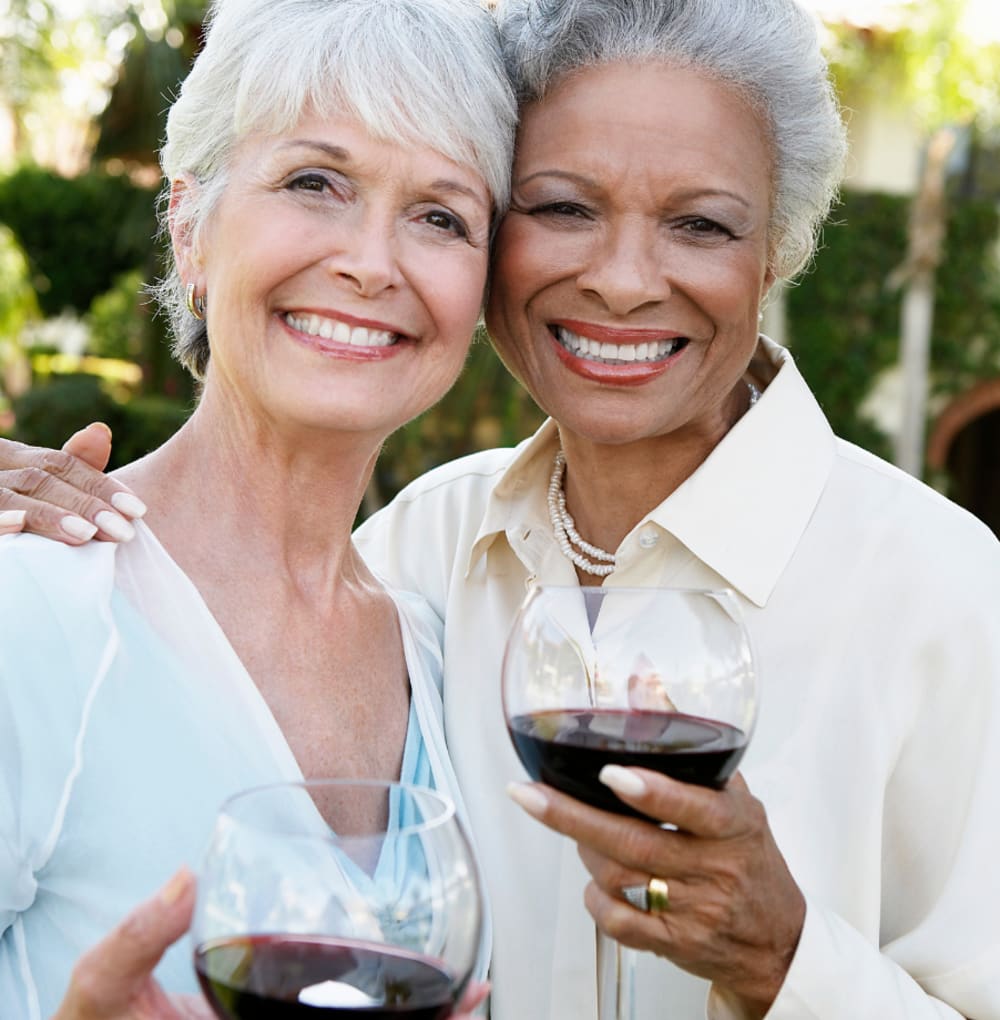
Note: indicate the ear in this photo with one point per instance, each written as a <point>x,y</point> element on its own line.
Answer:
<point>767,284</point>
<point>183,237</point>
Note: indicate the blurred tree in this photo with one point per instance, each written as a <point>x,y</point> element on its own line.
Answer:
<point>164,41</point>
<point>18,306</point>
<point>948,77</point>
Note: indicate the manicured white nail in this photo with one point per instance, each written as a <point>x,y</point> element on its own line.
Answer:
<point>115,526</point>
<point>11,520</point>
<point>130,505</point>
<point>77,527</point>
<point>622,781</point>
<point>176,887</point>
<point>527,797</point>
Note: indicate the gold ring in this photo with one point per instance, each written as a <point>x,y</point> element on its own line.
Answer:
<point>657,895</point>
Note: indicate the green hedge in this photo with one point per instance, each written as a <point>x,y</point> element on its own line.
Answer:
<point>843,321</point>
<point>78,234</point>
<point>53,409</point>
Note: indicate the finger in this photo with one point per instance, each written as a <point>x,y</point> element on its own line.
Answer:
<point>114,972</point>
<point>698,810</point>
<point>625,924</point>
<point>475,995</point>
<point>190,1007</point>
<point>92,445</point>
<point>53,509</point>
<point>632,842</point>
<point>610,874</point>
<point>11,521</point>
<point>62,497</point>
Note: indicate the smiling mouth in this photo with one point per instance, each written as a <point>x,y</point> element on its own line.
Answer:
<point>646,353</point>
<point>340,332</point>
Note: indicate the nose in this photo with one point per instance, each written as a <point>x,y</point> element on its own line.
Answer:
<point>367,260</point>
<point>626,269</point>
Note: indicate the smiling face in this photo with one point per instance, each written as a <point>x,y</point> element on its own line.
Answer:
<point>629,272</point>
<point>344,276</point>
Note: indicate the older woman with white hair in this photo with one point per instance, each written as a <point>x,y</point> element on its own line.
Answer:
<point>674,159</point>
<point>336,169</point>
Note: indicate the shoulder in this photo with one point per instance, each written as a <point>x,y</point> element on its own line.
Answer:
<point>892,520</point>
<point>478,472</point>
<point>904,499</point>
<point>440,503</point>
<point>38,570</point>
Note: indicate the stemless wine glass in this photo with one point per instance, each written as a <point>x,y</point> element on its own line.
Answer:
<point>336,897</point>
<point>661,678</point>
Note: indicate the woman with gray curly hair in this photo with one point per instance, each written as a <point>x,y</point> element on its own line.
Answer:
<point>335,170</point>
<point>674,159</point>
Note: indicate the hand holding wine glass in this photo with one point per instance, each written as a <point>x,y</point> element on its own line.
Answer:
<point>114,979</point>
<point>636,705</point>
<point>347,899</point>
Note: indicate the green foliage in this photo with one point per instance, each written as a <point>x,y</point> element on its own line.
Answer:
<point>966,341</point>
<point>930,65</point>
<point>51,411</point>
<point>18,304</point>
<point>118,319</point>
<point>844,320</point>
<point>146,423</point>
<point>78,234</point>
<point>54,409</point>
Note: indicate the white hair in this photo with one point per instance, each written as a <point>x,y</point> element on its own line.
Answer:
<point>420,72</point>
<point>768,50</point>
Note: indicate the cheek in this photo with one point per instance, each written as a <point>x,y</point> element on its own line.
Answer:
<point>455,299</point>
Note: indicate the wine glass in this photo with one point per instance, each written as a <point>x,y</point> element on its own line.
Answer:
<point>660,678</point>
<point>336,897</point>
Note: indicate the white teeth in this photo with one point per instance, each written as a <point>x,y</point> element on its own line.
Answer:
<point>340,332</point>
<point>653,350</point>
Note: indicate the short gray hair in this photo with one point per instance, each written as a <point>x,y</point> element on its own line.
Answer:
<point>422,72</point>
<point>766,49</point>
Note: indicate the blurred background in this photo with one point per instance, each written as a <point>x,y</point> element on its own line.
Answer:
<point>896,326</point>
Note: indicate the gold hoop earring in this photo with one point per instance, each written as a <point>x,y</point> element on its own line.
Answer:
<point>195,305</point>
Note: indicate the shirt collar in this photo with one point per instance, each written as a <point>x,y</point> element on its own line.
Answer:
<point>742,512</point>
<point>518,503</point>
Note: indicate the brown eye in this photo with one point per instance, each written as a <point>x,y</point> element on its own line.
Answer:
<point>309,182</point>
<point>446,221</point>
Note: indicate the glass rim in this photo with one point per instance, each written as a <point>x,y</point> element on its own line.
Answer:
<point>417,792</point>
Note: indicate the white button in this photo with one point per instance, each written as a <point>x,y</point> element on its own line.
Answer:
<point>648,538</point>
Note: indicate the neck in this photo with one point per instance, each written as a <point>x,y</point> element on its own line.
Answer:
<point>610,488</point>
<point>278,502</point>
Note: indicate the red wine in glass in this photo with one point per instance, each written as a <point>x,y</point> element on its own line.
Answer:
<point>282,977</point>
<point>349,899</point>
<point>568,748</point>
<point>657,678</point>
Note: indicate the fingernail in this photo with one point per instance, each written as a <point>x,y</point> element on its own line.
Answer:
<point>115,526</point>
<point>77,527</point>
<point>12,520</point>
<point>100,425</point>
<point>176,887</point>
<point>622,781</point>
<point>528,797</point>
<point>128,504</point>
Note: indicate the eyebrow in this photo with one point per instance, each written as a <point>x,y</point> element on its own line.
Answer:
<point>339,153</point>
<point>334,151</point>
<point>586,182</point>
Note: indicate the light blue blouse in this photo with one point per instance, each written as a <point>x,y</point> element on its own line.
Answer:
<point>126,718</point>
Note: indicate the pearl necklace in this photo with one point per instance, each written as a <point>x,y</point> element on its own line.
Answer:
<point>591,559</point>
<point>565,531</point>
